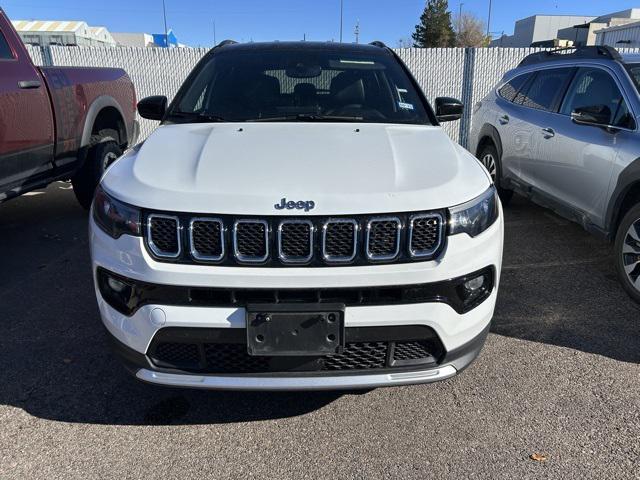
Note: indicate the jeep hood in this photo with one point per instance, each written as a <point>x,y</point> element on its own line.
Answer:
<point>344,168</point>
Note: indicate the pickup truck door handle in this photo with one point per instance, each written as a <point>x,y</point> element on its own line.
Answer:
<point>29,84</point>
<point>548,133</point>
<point>504,119</point>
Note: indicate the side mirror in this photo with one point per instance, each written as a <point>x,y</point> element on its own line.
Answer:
<point>448,109</point>
<point>598,115</point>
<point>153,108</point>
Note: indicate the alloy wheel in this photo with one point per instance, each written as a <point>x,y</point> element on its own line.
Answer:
<point>489,163</point>
<point>631,254</point>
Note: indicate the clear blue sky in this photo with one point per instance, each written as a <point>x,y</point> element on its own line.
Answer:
<point>258,20</point>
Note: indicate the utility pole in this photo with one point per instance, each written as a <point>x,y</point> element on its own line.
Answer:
<point>489,21</point>
<point>215,41</point>
<point>341,16</point>
<point>460,18</point>
<point>166,32</point>
<point>357,31</point>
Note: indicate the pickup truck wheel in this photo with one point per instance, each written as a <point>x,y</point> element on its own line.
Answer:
<point>627,253</point>
<point>490,159</point>
<point>103,152</point>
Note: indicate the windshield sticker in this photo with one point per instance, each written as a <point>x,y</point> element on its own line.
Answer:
<point>405,106</point>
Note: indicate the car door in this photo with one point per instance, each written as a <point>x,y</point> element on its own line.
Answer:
<point>580,158</point>
<point>26,123</point>
<point>509,121</point>
<point>538,101</point>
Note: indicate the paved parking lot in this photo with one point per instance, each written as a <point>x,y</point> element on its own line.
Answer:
<point>559,377</point>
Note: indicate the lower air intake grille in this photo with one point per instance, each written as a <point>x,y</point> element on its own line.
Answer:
<point>178,354</point>
<point>359,356</point>
<point>164,235</point>
<point>414,350</point>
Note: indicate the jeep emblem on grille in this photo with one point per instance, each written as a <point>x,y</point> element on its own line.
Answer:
<point>291,205</point>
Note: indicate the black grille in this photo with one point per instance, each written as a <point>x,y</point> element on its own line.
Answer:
<point>164,235</point>
<point>232,358</point>
<point>207,240</point>
<point>312,241</point>
<point>224,351</point>
<point>296,241</point>
<point>383,238</point>
<point>359,356</point>
<point>339,240</point>
<point>251,241</point>
<point>184,355</point>
<point>415,350</point>
<point>425,234</point>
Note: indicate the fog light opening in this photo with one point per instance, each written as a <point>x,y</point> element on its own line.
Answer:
<point>116,285</point>
<point>474,285</point>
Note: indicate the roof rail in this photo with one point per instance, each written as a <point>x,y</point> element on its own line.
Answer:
<point>379,44</point>
<point>592,52</point>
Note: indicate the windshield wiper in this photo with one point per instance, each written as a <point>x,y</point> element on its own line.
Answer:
<point>198,117</point>
<point>309,117</point>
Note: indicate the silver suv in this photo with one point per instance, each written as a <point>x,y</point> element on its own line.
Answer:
<point>562,129</point>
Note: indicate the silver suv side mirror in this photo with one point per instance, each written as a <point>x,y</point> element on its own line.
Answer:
<point>597,115</point>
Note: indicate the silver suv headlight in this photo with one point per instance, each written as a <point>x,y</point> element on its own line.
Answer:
<point>476,216</point>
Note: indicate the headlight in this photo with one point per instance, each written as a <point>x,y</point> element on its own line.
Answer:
<point>476,216</point>
<point>114,217</point>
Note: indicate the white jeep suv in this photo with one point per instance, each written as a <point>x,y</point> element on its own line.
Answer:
<point>298,221</point>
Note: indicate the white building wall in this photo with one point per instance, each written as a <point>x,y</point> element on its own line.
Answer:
<point>627,36</point>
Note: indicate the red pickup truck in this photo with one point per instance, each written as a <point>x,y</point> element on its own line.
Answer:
<point>59,123</point>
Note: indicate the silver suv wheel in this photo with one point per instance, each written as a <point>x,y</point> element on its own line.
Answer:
<point>489,163</point>
<point>631,254</point>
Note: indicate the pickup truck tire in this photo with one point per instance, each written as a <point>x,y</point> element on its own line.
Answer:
<point>627,252</point>
<point>104,150</point>
<point>490,159</point>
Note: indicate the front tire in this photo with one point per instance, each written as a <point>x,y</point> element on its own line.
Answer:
<point>627,253</point>
<point>103,152</point>
<point>490,159</point>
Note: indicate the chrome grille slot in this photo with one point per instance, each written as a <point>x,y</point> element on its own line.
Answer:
<point>163,235</point>
<point>251,240</point>
<point>425,234</point>
<point>295,241</point>
<point>340,240</point>
<point>206,236</point>
<point>383,238</point>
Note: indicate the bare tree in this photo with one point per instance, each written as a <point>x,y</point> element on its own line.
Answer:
<point>469,31</point>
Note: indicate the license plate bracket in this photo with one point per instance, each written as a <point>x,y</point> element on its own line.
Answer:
<point>295,330</point>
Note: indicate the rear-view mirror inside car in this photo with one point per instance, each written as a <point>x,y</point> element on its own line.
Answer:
<point>301,70</point>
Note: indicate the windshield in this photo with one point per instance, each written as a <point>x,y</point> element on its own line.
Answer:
<point>634,71</point>
<point>299,85</point>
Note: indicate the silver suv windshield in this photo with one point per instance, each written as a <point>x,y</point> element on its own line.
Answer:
<point>300,85</point>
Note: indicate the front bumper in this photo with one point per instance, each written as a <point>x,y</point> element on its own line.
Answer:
<point>460,334</point>
<point>453,363</point>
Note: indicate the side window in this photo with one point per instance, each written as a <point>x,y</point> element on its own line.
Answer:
<point>5,51</point>
<point>510,89</point>
<point>594,87</point>
<point>545,90</point>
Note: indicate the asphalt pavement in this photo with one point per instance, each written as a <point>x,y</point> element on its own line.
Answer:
<point>554,394</point>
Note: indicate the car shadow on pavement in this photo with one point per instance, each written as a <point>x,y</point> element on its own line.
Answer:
<point>557,288</point>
